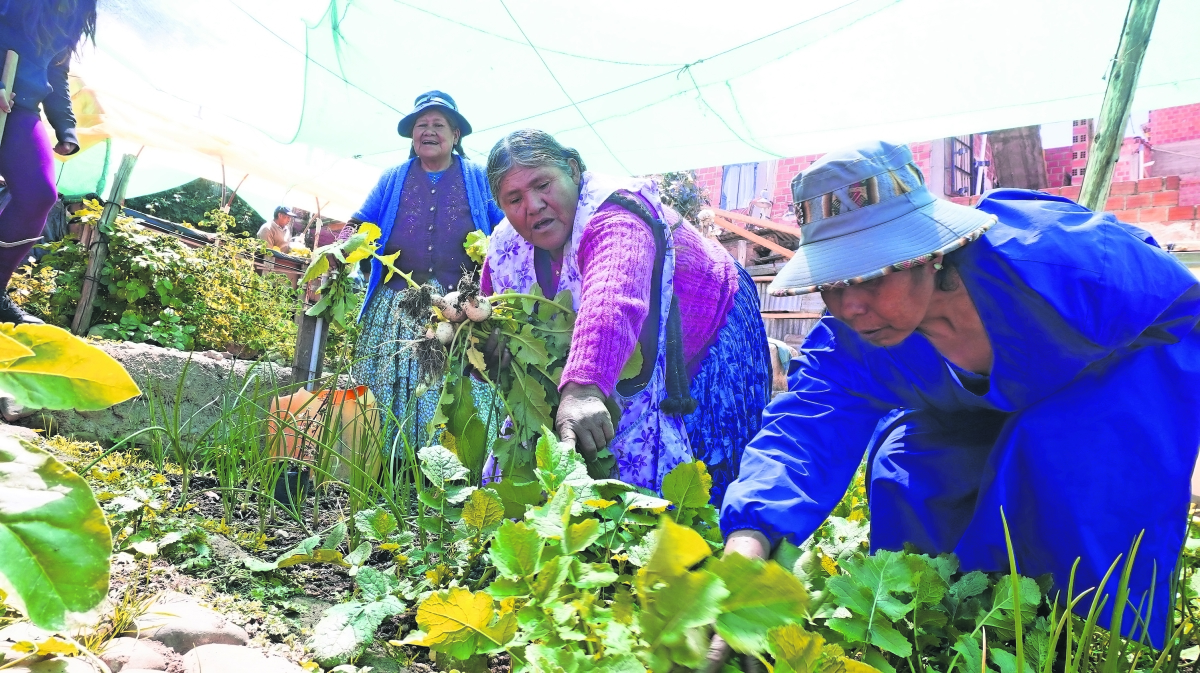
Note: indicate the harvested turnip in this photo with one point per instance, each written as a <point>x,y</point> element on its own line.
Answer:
<point>479,310</point>
<point>430,334</point>
<point>445,333</point>
<point>452,311</point>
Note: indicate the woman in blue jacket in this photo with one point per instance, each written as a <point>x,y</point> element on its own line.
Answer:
<point>425,208</point>
<point>43,34</point>
<point>1028,354</point>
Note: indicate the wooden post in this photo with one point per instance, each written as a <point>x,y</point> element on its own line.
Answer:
<point>1118,97</point>
<point>98,247</point>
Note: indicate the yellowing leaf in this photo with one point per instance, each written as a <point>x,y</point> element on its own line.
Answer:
<point>633,366</point>
<point>688,485</point>
<point>600,503</point>
<point>24,647</point>
<point>389,264</point>
<point>318,267</point>
<point>52,646</point>
<point>676,548</point>
<point>317,556</point>
<point>475,357</point>
<point>461,624</point>
<point>762,596</point>
<point>798,651</point>
<point>483,509</point>
<point>64,372</point>
<point>578,536</point>
<point>11,349</point>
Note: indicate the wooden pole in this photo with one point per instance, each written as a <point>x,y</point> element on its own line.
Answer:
<point>770,245</point>
<point>757,221</point>
<point>1118,98</point>
<point>98,247</point>
<point>8,76</point>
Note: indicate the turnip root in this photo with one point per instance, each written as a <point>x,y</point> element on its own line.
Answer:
<point>430,333</point>
<point>452,311</point>
<point>478,311</point>
<point>445,333</point>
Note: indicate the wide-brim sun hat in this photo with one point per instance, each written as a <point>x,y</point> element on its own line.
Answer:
<point>434,99</point>
<point>864,213</point>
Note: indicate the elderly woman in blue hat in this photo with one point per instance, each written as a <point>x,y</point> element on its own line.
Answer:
<point>1027,354</point>
<point>425,208</point>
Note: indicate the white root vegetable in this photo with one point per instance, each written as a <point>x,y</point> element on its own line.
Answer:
<point>439,301</point>
<point>479,311</point>
<point>452,311</point>
<point>429,333</point>
<point>445,333</point>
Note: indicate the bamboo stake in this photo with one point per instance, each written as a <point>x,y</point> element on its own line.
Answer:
<point>1118,98</point>
<point>8,76</point>
<point>757,221</point>
<point>98,251</point>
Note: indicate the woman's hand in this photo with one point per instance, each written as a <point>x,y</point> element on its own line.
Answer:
<point>66,149</point>
<point>583,419</point>
<point>496,355</point>
<point>747,543</point>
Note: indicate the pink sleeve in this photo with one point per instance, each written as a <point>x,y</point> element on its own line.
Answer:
<point>616,260</point>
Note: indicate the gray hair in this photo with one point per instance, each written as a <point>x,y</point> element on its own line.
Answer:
<point>528,148</point>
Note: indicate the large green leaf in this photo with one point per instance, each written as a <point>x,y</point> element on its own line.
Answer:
<point>346,629</point>
<point>688,485</point>
<point>483,509</point>
<point>440,466</point>
<point>687,602</point>
<point>375,524</point>
<point>54,542</point>
<point>516,550</point>
<point>64,372</point>
<point>762,596</point>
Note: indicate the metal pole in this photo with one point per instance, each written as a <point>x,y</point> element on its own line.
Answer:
<point>1118,99</point>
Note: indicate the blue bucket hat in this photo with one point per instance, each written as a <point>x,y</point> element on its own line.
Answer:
<point>864,213</point>
<point>434,99</point>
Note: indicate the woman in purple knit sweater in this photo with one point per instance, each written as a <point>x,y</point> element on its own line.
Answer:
<point>638,274</point>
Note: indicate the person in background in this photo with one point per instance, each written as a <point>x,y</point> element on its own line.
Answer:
<point>639,274</point>
<point>43,34</point>
<point>425,207</point>
<point>331,232</point>
<point>278,233</point>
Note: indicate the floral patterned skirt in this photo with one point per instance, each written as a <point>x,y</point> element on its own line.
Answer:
<point>731,389</point>
<point>384,362</point>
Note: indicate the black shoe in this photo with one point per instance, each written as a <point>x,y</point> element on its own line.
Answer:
<point>10,312</point>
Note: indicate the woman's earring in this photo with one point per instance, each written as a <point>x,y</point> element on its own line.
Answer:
<point>937,266</point>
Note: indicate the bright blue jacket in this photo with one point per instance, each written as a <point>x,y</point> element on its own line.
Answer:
<point>1095,382</point>
<point>384,200</point>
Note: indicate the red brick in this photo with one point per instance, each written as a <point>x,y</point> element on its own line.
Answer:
<point>1070,192</point>
<point>1139,200</point>
<point>1129,216</point>
<point>1115,203</point>
<point>1123,189</point>
<point>1182,213</point>
<point>1166,198</point>
<point>1149,185</point>
<point>1172,182</point>
<point>1157,214</point>
<point>1053,190</point>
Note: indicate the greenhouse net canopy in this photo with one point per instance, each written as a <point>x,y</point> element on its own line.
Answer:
<point>303,96</point>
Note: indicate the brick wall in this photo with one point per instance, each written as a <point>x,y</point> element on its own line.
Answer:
<point>1173,124</point>
<point>1058,163</point>
<point>1157,205</point>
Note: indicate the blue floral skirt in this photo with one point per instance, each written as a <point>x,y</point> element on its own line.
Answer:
<point>731,389</point>
<point>384,362</point>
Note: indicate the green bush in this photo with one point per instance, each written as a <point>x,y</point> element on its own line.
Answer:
<point>192,203</point>
<point>156,289</point>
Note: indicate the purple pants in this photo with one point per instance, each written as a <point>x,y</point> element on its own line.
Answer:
<point>27,165</point>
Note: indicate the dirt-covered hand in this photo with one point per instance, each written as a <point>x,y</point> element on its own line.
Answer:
<point>583,419</point>
<point>747,543</point>
<point>496,355</point>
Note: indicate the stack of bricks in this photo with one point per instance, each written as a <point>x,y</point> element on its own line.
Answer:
<point>1166,207</point>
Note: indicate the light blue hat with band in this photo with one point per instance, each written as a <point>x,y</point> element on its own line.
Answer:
<point>864,213</point>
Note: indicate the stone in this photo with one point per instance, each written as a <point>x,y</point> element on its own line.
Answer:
<point>18,432</point>
<point>159,370</point>
<point>311,610</point>
<point>225,551</point>
<point>181,624</point>
<point>125,654</point>
<point>11,411</point>
<point>209,658</point>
